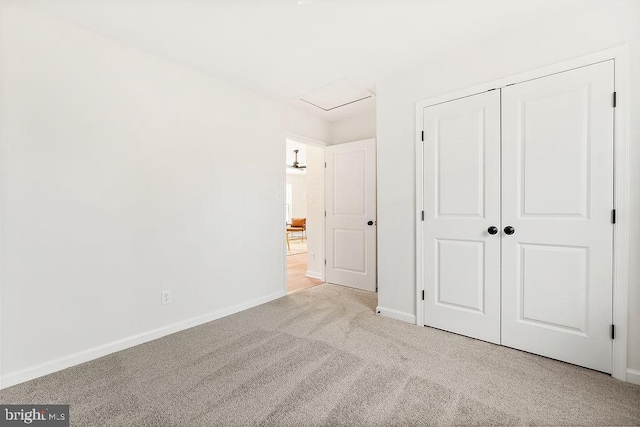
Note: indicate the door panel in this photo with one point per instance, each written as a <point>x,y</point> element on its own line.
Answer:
<point>557,192</point>
<point>350,250</point>
<point>460,288</point>
<point>349,179</point>
<point>565,154</point>
<point>461,201</point>
<point>560,272</point>
<point>459,165</point>
<point>351,204</point>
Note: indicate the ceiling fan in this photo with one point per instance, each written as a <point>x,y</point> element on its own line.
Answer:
<point>296,164</point>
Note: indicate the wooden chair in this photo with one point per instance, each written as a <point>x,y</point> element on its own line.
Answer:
<point>297,225</point>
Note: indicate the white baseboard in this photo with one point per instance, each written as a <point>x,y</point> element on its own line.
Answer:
<point>633,376</point>
<point>83,356</point>
<point>395,314</point>
<point>314,275</point>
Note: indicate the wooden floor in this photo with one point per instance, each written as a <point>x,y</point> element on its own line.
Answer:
<point>296,273</point>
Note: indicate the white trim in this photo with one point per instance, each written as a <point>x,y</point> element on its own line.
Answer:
<point>83,356</point>
<point>633,376</point>
<point>620,55</point>
<point>621,204</point>
<point>314,275</point>
<point>395,314</point>
<point>324,220</point>
<point>283,223</point>
<point>419,317</point>
<point>305,139</point>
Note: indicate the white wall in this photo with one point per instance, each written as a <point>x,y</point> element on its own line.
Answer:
<point>124,174</point>
<point>356,128</point>
<point>299,194</point>
<point>315,211</point>
<point>595,26</point>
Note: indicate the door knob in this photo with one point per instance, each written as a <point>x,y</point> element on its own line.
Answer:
<point>492,230</point>
<point>509,230</point>
<point>370,223</point>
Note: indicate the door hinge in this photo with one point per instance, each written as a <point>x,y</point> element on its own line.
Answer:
<point>613,332</point>
<point>422,215</point>
<point>422,136</point>
<point>615,100</point>
<point>325,214</point>
<point>325,164</point>
<point>325,262</point>
<point>423,295</point>
<point>613,216</point>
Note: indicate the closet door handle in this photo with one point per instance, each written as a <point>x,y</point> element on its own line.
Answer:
<point>492,230</point>
<point>509,230</point>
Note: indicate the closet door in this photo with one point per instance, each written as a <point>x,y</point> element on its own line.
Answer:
<point>461,204</point>
<point>557,183</point>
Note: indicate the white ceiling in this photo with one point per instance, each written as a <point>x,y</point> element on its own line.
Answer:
<point>285,49</point>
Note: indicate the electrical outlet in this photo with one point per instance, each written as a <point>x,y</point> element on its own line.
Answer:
<point>312,256</point>
<point>166,297</point>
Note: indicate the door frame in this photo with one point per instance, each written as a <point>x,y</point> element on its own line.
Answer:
<point>620,56</point>
<point>320,254</point>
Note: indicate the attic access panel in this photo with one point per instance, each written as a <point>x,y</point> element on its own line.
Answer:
<point>337,94</point>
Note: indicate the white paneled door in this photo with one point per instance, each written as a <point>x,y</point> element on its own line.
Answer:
<point>557,186</point>
<point>461,205</point>
<point>535,161</point>
<point>351,214</point>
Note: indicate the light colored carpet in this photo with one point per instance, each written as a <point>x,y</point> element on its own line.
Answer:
<point>322,357</point>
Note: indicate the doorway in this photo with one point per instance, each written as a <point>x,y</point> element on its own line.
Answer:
<point>330,214</point>
<point>304,215</point>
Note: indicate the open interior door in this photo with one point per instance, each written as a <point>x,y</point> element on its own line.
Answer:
<point>351,214</point>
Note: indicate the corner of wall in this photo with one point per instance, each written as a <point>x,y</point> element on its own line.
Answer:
<point>395,314</point>
<point>355,128</point>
